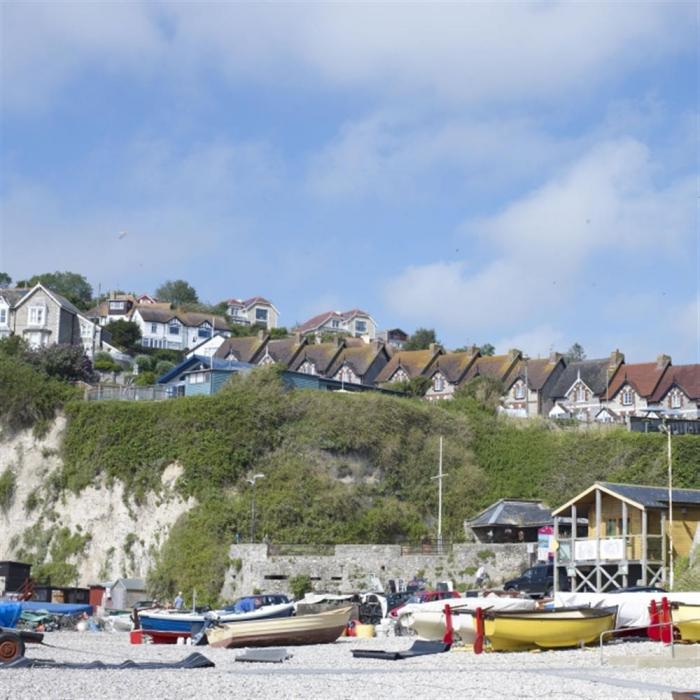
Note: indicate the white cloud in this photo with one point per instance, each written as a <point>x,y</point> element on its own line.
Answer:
<point>451,52</point>
<point>606,203</point>
<point>536,342</point>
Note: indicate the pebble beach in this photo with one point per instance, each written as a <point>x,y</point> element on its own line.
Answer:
<point>630,670</point>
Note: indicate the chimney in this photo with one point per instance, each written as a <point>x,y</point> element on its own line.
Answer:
<point>435,348</point>
<point>261,334</point>
<point>663,361</point>
<point>514,353</point>
<point>616,358</point>
<point>554,357</point>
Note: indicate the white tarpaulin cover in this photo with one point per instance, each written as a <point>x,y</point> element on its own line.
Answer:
<point>492,602</point>
<point>633,608</point>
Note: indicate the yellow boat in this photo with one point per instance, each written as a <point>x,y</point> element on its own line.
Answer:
<point>687,619</point>
<point>547,629</point>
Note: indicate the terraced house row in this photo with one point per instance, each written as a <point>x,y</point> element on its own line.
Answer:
<point>601,390</point>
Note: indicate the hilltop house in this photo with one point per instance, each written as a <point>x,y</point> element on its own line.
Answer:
<point>678,392</point>
<point>409,364</point>
<point>42,317</point>
<point>447,373</point>
<point>582,388</point>
<point>256,311</point>
<point>528,385</point>
<point>356,323</point>
<point>359,362</point>
<point>394,338</point>
<point>175,329</point>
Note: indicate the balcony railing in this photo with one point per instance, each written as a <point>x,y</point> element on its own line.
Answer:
<point>611,548</point>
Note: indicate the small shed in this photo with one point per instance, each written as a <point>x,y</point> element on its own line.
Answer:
<point>14,573</point>
<point>510,520</point>
<point>125,593</point>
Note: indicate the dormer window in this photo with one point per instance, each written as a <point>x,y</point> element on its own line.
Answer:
<point>520,390</point>
<point>204,331</point>
<point>37,315</point>
<point>174,327</point>
<point>117,306</point>
<point>627,397</point>
<point>676,399</point>
<point>438,383</point>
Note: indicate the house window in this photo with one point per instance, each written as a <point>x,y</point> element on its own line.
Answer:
<point>174,328</point>
<point>580,393</point>
<point>611,527</point>
<point>361,326</point>
<point>198,377</point>
<point>335,323</point>
<point>519,391</point>
<point>3,317</point>
<point>154,328</point>
<point>438,383</point>
<point>204,331</point>
<point>676,399</point>
<point>627,397</point>
<point>117,305</point>
<point>37,315</point>
<point>308,368</point>
<point>261,314</point>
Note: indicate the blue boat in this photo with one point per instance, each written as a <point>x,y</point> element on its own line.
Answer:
<point>166,626</point>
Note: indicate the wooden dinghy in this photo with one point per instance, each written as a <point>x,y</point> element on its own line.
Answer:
<point>547,629</point>
<point>321,628</point>
<point>687,619</point>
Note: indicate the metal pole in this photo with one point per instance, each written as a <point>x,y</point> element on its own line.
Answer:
<point>598,525</point>
<point>252,518</point>
<point>440,499</point>
<point>670,509</point>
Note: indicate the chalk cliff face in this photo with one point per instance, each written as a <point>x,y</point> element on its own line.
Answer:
<point>95,533</point>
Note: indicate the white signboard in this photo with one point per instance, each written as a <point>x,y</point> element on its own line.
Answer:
<point>609,549</point>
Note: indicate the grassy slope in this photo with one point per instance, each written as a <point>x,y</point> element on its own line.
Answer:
<point>339,468</point>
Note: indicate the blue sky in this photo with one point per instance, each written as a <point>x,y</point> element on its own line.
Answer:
<point>521,174</point>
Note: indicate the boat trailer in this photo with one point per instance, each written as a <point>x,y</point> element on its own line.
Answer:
<point>13,641</point>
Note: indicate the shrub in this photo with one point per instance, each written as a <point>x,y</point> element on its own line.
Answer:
<point>104,362</point>
<point>8,484</point>
<point>300,585</point>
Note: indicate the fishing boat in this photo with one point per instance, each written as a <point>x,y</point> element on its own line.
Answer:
<point>687,619</point>
<point>547,629</point>
<point>166,626</point>
<point>320,628</point>
<point>428,619</point>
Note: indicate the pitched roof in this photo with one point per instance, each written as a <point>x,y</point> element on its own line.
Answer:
<point>13,295</point>
<point>320,319</point>
<point>495,366</point>
<point>594,374</point>
<point>358,357</point>
<point>58,298</point>
<point>642,377</point>
<point>244,349</point>
<point>284,350</point>
<point>454,365</point>
<point>537,372</point>
<point>414,362</point>
<point>321,354</point>
<point>685,377</point>
<point>155,313</point>
<point>653,496</point>
<point>513,511</point>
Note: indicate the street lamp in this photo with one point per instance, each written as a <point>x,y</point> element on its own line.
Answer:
<point>252,481</point>
<point>665,427</point>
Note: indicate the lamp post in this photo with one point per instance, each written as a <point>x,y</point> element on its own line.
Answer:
<point>252,481</point>
<point>440,476</point>
<point>665,427</point>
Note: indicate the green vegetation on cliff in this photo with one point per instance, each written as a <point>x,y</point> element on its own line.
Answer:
<point>338,467</point>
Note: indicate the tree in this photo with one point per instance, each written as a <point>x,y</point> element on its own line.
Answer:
<point>487,350</point>
<point>5,280</point>
<point>421,339</point>
<point>486,391</point>
<point>124,334</point>
<point>177,292</point>
<point>67,362</point>
<point>104,362</point>
<point>416,386</point>
<point>71,285</point>
<point>575,353</point>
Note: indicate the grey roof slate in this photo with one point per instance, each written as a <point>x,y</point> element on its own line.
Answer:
<point>653,496</point>
<point>594,374</point>
<point>510,511</point>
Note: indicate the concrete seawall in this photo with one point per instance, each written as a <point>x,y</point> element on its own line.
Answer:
<point>347,568</point>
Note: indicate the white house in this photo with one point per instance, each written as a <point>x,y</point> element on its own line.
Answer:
<point>356,323</point>
<point>256,311</point>
<point>174,329</point>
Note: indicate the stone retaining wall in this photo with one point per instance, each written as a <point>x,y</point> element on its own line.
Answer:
<point>348,568</point>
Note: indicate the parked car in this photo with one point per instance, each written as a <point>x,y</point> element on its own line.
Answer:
<point>538,581</point>
<point>423,597</point>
